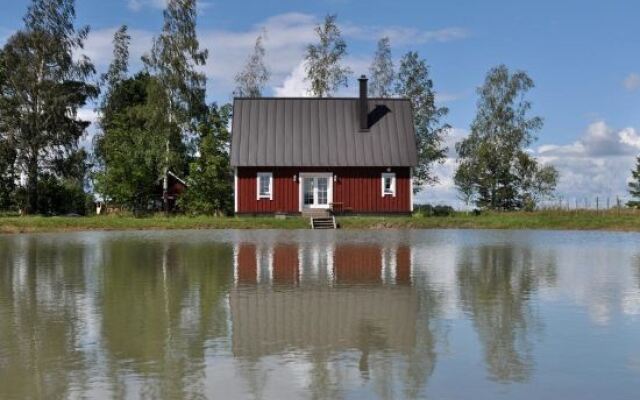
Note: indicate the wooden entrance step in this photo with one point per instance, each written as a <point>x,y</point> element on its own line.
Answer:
<point>323,222</point>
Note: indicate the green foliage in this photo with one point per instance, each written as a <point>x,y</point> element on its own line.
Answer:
<point>117,71</point>
<point>173,60</point>
<point>381,72</point>
<point>494,169</point>
<point>44,82</point>
<point>251,80</point>
<point>427,210</point>
<point>210,189</point>
<point>413,82</point>
<point>130,149</point>
<point>634,186</point>
<point>323,60</point>
<point>7,174</point>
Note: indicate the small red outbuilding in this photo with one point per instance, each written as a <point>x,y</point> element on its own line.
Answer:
<point>293,155</point>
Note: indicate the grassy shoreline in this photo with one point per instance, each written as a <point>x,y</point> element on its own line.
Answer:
<point>624,220</point>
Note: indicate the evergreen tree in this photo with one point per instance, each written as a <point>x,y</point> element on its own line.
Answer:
<point>492,159</point>
<point>251,80</point>
<point>174,59</point>
<point>209,183</point>
<point>324,69</point>
<point>414,83</point>
<point>634,186</point>
<point>381,73</point>
<point>45,83</point>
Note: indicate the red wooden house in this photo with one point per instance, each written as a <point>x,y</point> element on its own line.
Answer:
<point>294,155</point>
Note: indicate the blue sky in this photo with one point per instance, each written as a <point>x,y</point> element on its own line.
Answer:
<point>583,56</point>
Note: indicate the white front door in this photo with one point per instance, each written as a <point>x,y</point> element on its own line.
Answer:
<point>316,190</point>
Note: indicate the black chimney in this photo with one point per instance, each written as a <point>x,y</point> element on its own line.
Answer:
<point>363,105</point>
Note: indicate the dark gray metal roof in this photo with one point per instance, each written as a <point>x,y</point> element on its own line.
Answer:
<point>279,132</point>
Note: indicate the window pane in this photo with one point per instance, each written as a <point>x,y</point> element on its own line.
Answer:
<point>322,190</point>
<point>264,185</point>
<point>308,191</point>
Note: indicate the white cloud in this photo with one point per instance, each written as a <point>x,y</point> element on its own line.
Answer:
<point>599,140</point>
<point>632,82</point>
<point>294,85</point>
<point>406,35</point>
<point>597,164</point>
<point>99,46</point>
<point>287,36</point>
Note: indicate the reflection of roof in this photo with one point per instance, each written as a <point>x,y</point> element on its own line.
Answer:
<point>268,322</point>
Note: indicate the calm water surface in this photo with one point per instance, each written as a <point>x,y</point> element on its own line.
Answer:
<point>325,315</point>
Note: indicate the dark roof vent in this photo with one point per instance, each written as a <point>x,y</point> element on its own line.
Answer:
<point>363,106</point>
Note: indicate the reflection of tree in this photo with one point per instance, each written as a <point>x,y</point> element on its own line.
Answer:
<point>422,360</point>
<point>42,298</point>
<point>495,284</point>
<point>161,303</point>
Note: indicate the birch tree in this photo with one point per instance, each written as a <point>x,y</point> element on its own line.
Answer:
<point>414,83</point>
<point>251,80</point>
<point>174,60</point>
<point>381,72</point>
<point>493,158</point>
<point>46,81</point>
<point>324,68</point>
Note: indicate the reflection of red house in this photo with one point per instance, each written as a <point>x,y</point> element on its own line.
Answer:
<point>356,263</point>
<point>246,268</point>
<point>403,264</point>
<point>286,264</point>
<point>345,264</point>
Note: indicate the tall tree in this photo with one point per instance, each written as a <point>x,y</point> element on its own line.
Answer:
<point>7,159</point>
<point>493,158</point>
<point>381,72</point>
<point>117,71</point>
<point>414,83</point>
<point>45,83</point>
<point>129,148</point>
<point>634,186</point>
<point>324,66</point>
<point>210,190</point>
<point>174,59</point>
<point>251,80</point>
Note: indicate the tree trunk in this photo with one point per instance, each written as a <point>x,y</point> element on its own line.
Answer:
<point>32,187</point>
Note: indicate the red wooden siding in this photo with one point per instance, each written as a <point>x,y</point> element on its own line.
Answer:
<point>359,189</point>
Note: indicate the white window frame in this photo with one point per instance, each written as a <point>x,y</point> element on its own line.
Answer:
<point>269,195</point>
<point>311,175</point>
<point>392,176</point>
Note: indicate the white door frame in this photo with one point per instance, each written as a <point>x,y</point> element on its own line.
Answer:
<point>307,175</point>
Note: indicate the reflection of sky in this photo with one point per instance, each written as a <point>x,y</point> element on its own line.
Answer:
<point>517,314</point>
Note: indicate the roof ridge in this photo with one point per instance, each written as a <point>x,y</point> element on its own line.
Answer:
<point>319,98</point>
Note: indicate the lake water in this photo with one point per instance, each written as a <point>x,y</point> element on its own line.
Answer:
<point>451,314</point>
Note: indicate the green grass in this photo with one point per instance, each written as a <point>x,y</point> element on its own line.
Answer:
<point>624,220</point>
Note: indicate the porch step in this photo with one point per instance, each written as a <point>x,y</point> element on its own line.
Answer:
<point>323,222</point>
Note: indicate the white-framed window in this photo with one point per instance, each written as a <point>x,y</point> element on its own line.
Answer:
<point>389,184</point>
<point>265,185</point>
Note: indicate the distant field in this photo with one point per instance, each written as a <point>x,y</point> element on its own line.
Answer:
<point>623,220</point>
